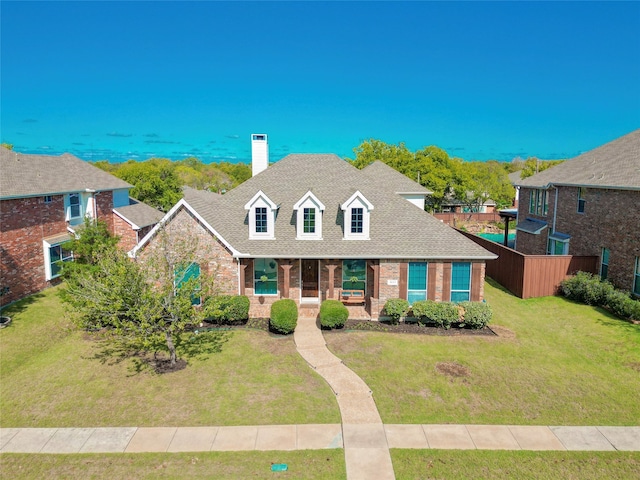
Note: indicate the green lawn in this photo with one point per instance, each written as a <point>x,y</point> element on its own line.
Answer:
<point>558,363</point>
<point>303,464</point>
<point>485,464</point>
<point>51,378</point>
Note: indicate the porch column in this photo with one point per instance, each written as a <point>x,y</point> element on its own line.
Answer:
<point>376,279</point>
<point>332,275</point>
<point>241,280</point>
<point>287,277</point>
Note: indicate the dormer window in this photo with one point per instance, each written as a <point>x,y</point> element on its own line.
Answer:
<point>262,217</point>
<point>357,212</point>
<point>309,217</point>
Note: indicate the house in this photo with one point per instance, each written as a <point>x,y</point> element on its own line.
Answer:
<point>43,200</point>
<point>588,206</point>
<point>451,204</point>
<point>312,227</point>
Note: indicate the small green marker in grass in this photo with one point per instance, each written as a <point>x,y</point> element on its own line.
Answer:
<point>279,467</point>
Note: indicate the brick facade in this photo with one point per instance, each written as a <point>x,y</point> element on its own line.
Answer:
<point>24,224</point>
<point>611,219</point>
<point>128,236</point>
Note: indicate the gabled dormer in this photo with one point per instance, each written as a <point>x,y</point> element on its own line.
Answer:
<point>357,213</point>
<point>309,217</point>
<point>262,217</point>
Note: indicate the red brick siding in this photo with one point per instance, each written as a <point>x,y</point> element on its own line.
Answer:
<point>122,229</point>
<point>213,256</point>
<point>24,223</point>
<point>611,219</point>
<point>104,208</point>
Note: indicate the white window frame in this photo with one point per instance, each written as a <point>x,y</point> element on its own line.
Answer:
<point>426,281</point>
<point>69,215</point>
<point>468,290</point>
<point>46,246</point>
<point>260,200</point>
<point>47,199</point>
<point>309,200</point>
<point>357,200</point>
<point>256,279</point>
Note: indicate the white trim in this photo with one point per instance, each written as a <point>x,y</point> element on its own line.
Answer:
<point>46,246</point>
<point>308,200</point>
<point>169,215</point>
<point>261,200</point>
<point>133,225</point>
<point>357,200</point>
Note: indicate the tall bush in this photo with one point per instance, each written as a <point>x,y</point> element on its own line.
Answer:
<point>396,308</point>
<point>227,309</point>
<point>442,314</point>
<point>284,316</point>
<point>333,314</point>
<point>476,314</point>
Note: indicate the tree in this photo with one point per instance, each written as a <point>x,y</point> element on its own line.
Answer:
<point>532,165</point>
<point>8,146</point>
<point>154,182</point>
<point>150,304</point>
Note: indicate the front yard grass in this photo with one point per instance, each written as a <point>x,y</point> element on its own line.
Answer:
<point>302,464</point>
<point>555,363</point>
<point>51,378</point>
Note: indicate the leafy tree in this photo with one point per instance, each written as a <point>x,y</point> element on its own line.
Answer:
<point>147,305</point>
<point>154,182</point>
<point>487,180</point>
<point>94,239</point>
<point>532,165</point>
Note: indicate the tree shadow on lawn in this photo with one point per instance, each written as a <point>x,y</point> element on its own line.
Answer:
<point>112,349</point>
<point>611,320</point>
<point>20,306</point>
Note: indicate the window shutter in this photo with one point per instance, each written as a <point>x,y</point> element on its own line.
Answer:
<point>446,282</point>
<point>402,281</point>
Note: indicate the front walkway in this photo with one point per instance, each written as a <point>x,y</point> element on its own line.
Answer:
<point>366,450</point>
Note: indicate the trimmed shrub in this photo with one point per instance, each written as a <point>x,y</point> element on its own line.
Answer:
<point>476,314</point>
<point>333,314</point>
<point>284,316</point>
<point>227,309</point>
<point>396,308</point>
<point>442,314</point>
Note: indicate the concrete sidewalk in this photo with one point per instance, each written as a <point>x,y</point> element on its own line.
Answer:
<point>316,437</point>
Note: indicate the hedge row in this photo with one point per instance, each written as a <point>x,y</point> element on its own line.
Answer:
<point>474,315</point>
<point>587,288</point>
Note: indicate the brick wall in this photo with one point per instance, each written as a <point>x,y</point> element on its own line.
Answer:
<point>24,223</point>
<point>211,254</point>
<point>611,219</point>
<point>529,243</point>
<point>122,229</point>
<point>104,208</point>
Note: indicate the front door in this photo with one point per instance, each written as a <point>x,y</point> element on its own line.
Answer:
<point>310,278</point>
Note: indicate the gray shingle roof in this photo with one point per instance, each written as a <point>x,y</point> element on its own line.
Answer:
<point>25,175</point>
<point>139,214</point>
<point>393,179</point>
<point>613,165</point>
<point>399,229</point>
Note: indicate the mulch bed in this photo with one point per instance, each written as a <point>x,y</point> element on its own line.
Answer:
<point>368,326</point>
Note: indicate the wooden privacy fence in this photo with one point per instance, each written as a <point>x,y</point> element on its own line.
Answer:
<point>453,218</point>
<point>528,276</point>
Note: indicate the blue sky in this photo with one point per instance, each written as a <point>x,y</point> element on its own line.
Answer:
<point>483,80</point>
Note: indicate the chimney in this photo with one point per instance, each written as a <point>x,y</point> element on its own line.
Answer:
<point>259,153</point>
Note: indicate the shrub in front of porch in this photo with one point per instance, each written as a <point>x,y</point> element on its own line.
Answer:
<point>227,309</point>
<point>333,314</point>
<point>396,308</point>
<point>284,316</point>
<point>442,314</point>
<point>476,314</point>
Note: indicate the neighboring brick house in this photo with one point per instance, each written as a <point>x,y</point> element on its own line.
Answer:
<point>311,227</point>
<point>589,205</point>
<point>43,200</point>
